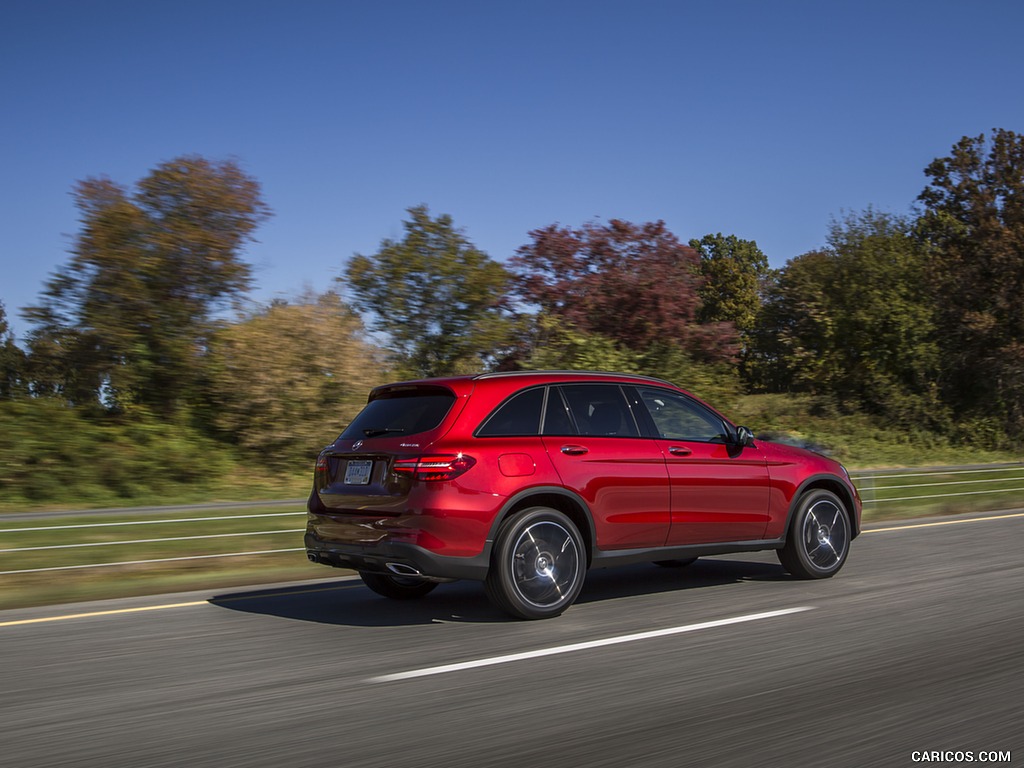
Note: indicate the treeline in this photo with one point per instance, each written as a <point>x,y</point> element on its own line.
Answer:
<point>917,319</point>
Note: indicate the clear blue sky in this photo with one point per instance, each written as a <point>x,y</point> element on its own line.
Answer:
<point>760,119</point>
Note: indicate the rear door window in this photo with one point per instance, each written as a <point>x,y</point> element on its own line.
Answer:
<point>599,410</point>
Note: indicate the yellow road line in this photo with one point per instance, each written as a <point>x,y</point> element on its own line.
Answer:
<point>192,604</point>
<point>102,613</point>
<point>942,522</point>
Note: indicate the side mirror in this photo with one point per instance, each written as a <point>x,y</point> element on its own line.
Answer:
<point>744,437</point>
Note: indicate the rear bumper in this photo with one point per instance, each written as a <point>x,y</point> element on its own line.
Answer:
<point>396,558</point>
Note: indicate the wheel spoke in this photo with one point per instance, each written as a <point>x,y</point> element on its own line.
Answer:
<point>823,562</point>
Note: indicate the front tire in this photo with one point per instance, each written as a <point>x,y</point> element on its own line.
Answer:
<point>397,587</point>
<point>538,564</point>
<point>819,536</point>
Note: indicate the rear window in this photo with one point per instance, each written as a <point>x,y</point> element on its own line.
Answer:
<point>519,415</point>
<point>401,412</point>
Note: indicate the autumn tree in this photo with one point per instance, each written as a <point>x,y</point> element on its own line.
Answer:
<point>286,379</point>
<point>635,284</point>
<point>438,299</point>
<point>973,222</point>
<point>126,320</point>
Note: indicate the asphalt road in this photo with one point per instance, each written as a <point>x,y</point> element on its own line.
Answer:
<point>915,646</point>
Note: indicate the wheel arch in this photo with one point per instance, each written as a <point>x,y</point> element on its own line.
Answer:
<point>565,501</point>
<point>831,483</point>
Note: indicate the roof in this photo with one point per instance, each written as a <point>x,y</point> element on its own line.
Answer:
<point>459,383</point>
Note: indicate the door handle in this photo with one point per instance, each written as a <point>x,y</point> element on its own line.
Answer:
<point>679,450</point>
<point>573,450</point>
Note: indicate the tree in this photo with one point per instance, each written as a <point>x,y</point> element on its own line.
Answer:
<point>734,273</point>
<point>127,319</point>
<point>855,322</point>
<point>973,222</point>
<point>286,380</point>
<point>12,361</point>
<point>634,284</point>
<point>795,332</point>
<point>439,300</point>
<point>552,344</point>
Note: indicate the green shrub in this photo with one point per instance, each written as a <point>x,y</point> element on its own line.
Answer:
<point>52,455</point>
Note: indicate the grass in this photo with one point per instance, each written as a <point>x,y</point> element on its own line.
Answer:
<point>240,485</point>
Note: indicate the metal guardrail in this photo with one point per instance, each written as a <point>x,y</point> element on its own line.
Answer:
<point>82,528</point>
<point>944,489</point>
<point>938,489</point>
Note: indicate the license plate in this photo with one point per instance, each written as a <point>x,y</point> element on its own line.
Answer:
<point>358,472</point>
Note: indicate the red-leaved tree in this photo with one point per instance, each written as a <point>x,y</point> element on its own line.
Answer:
<point>634,283</point>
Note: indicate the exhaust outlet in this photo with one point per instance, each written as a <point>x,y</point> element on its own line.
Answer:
<point>401,569</point>
<point>313,557</point>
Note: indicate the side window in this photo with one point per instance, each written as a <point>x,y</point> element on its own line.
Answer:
<point>600,410</point>
<point>519,415</point>
<point>678,418</point>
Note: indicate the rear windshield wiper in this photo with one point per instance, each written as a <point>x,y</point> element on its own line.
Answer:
<point>377,432</point>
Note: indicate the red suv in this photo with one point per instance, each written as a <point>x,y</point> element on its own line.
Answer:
<point>525,480</point>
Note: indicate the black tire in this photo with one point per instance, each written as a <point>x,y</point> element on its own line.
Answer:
<point>819,536</point>
<point>397,587</point>
<point>680,563</point>
<point>538,565</point>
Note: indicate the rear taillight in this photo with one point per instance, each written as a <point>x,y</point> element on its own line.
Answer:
<point>441,467</point>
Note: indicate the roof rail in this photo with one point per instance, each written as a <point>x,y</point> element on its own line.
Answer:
<point>503,374</point>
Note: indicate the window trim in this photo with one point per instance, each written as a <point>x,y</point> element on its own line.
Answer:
<point>555,391</point>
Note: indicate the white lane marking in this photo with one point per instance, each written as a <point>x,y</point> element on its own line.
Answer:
<point>445,668</point>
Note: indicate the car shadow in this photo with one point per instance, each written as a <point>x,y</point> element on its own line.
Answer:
<point>350,603</point>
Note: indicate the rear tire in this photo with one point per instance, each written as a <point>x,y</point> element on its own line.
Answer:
<point>397,587</point>
<point>538,565</point>
<point>819,536</point>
